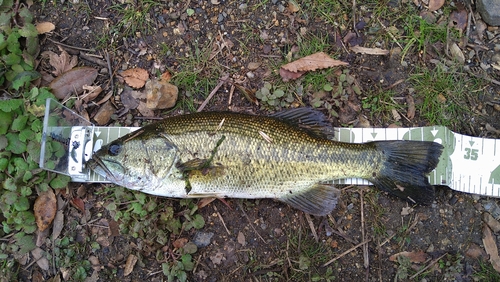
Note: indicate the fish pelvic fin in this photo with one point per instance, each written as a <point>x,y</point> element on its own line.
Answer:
<point>404,173</point>
<point>319,200</point>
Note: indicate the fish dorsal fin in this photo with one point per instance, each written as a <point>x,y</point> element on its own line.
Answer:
<point>308,119</point>
<point>319,200</point>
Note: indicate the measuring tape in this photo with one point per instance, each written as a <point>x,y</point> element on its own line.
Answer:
<point>467,164</point>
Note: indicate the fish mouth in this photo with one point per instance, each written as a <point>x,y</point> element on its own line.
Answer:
<point>97,165</point>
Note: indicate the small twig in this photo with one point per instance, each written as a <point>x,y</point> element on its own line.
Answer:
<point>394,84</point>
<point>72,47</point>
<point>366,261</point>
<point>428,266</point>
<point>346,252</point>
<point>93,59</point>
<point>110,71</point>
<point>221,219</point>
<point>221,82</point>
<point>390,34</point>
<point>231,94</point>
<point>311,226</point>
<point>354,17</point>
<point>250,222</point>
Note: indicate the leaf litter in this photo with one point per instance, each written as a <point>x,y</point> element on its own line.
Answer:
<point>312,62</point>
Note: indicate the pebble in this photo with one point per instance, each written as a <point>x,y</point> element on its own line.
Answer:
<point>202,239</point>
<point>250,74</point>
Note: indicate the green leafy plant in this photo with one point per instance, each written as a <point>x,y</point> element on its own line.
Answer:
<point>140,215</point>
<point>18,48</point>
<point>334,94</point>
<point>273,96</point>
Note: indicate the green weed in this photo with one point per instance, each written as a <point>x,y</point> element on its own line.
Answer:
<point>196,76</point>
<point>136,16</point>
<point>445,96</point>
<point>486,273</point>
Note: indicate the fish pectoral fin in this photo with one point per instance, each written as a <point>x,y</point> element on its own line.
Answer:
<point>194,164</point>
<point>319,199</point>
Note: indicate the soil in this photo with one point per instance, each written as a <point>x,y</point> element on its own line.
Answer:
<point>264,240</point>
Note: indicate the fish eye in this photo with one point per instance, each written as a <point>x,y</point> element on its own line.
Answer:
<point>114,149</point>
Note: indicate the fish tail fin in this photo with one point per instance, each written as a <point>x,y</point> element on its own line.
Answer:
<point>404,173</point>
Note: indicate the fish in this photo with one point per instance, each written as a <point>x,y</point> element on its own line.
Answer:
<point>288,156</point>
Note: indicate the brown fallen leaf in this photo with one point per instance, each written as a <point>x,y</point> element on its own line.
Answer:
<point>45,209</point>
<point>415,257</point>
<point>129,265</point>
<point>458,19</point>
<point>78,203</point>
<point>73,81</point>
<point>287,75</point>
<point>91,92</point>
<point>136,77</point>
<point>104,113</point>
<point>313,62</point>
<point>61,63</point>
<point>490,245</point>
<point>166,76</point>
<point>411,107</point>
<point>179,243</point>
<point>369,51</point>
<point>44,27</point>
<point>205,201</point>
<point>241,239</point>
<point>435,5</point>
<point>41,260</point>
<point>293,6</point>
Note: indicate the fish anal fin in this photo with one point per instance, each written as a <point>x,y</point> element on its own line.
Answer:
<point>312,121</point>
<point>319,200</point>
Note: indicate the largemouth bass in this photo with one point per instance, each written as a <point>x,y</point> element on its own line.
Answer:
<point>286,156</point>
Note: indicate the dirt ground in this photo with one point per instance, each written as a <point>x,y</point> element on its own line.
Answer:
<point>264,240</point>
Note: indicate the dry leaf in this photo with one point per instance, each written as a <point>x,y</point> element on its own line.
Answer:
<point>458,19</point>
<point>58,224</point>
<point>91,92</point>
<point>205,201</point>
<point>160,94</point>
<point>63,62</point>
<point>135,78</point>
<point>488,218</point>
<point>241,238</point>
<point>78,203</point>
<point>104,113</point>
<point>41,260</point>
<point>128,100</point>
<point>434,5</point>
<point>217,258</point>
<point>369,51</point>
<point>129,265</point>
<point>73,81</point>
<point>179,243</point>
<point>456,53</point>
<point>45,209</point>
<point>490,245</point>
<point>293,6</point>
<point>411,107</point>
<point>313,62</point>
<point>415,257</point>
<point>288,75</point>
<point>45,27</point>
<point>166,76</point>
